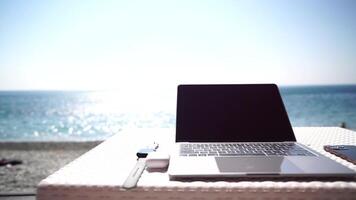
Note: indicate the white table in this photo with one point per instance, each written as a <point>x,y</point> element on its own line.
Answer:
<point>99,173</point>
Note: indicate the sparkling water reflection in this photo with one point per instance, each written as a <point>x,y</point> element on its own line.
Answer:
<point>98,115</point>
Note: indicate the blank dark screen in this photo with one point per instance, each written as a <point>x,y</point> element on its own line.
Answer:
<point>231,113</point>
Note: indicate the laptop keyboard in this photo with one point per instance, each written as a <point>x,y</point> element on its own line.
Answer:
<point>243,149</point>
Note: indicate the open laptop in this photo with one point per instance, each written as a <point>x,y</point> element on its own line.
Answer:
<point>242,130</point>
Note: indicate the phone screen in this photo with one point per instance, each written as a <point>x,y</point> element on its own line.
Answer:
<point>347,152</point>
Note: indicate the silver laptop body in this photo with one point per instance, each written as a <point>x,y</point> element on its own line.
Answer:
<point>242,130</point>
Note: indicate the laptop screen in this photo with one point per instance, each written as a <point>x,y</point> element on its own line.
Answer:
<point>231,113</point>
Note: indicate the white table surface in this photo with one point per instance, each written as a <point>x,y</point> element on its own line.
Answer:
<point>100,173</point>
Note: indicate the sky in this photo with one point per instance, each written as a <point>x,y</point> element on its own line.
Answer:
<point>104,45</point>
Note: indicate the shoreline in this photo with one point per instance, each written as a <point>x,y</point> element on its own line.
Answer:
<point>47,145</point>
<point>39,160</point>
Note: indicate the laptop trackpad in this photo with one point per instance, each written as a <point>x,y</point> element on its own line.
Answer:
<point>258,165</point>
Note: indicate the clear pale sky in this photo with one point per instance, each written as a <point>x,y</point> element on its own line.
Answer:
<point>89,45</point>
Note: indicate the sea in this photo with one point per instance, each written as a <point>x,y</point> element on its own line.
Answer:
<point>97,115</point>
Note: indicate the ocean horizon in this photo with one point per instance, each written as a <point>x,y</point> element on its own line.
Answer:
<point>96,115</point>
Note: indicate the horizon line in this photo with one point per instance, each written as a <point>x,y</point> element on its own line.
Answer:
<point>117,89</point>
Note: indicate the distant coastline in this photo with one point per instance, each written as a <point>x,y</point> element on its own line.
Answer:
<point>342,88</point>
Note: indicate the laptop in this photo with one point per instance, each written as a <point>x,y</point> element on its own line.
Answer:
<point>241,130</point>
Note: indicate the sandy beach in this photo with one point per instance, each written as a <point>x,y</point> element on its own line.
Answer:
<point>40,159</point>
